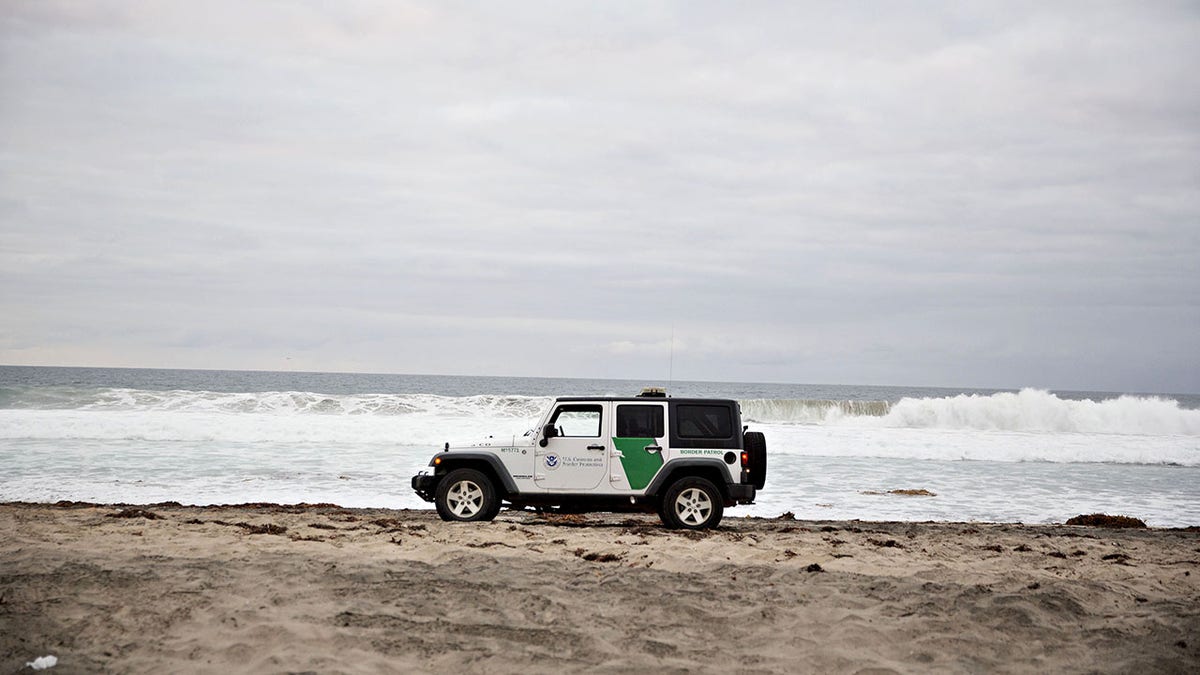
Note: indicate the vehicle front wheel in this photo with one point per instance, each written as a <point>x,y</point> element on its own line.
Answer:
<point>466,495</point>
<point>691,503</point>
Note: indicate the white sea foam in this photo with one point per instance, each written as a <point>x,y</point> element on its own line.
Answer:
<point>286,417</point>
<point>1031,425</point>
<point>301,403</point>
<point>810,411</point>
<point>330,430</point>
<point>1036,410</point>
<point>974,445</point>
<point>1028,410</point>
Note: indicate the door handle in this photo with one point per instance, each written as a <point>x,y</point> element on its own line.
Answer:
<point>653,449</point>
<point>595,447</point>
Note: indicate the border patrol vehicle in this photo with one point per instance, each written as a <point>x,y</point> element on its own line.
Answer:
<point>686,459</point>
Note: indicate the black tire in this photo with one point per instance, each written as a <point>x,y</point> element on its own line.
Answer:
<point>466,495</point>
<point>755,445</point>
<point>691,503</point>
<point>661,510</point>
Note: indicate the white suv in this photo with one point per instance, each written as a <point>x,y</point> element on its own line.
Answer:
<point>684,458</point>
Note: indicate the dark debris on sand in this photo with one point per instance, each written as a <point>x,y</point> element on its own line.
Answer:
<point>1105,520</point>
<point>269,528</point>
<point>592,556</point>
<point>135,513</point>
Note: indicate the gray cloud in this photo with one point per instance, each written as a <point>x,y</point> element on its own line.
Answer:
<point>999,195</point>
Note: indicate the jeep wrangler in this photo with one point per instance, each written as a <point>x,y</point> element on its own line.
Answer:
<point>684,458</point>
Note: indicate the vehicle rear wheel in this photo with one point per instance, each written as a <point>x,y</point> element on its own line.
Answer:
<point>691,503</point>
<point>466,495</point>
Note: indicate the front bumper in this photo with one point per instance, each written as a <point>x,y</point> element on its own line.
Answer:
<point>425,485</point>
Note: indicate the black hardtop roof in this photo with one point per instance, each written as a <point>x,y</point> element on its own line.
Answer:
<point>640,399</point>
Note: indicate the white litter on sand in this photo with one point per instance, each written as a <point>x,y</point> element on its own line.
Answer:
<point>42,662</point>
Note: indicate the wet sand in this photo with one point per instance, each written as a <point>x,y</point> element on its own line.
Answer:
<point>268,588</point>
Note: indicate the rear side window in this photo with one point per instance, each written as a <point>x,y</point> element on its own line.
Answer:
<point>639,421</point>
<point>703,421</point>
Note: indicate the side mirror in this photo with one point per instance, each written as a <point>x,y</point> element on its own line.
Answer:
<point>548,432</point>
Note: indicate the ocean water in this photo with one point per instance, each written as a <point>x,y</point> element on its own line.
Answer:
<point>211,437</point>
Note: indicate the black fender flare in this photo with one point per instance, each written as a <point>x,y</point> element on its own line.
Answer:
<point>708,463</point>
<point>453,457</point>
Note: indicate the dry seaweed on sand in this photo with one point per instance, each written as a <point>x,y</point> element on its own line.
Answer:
<point>269,528</point>
<point>1105,520</point>
<point>488,544</point>
<point>593,556</point>
<point>566,519</point>
<point>389,523</point>
<point>135,513</point>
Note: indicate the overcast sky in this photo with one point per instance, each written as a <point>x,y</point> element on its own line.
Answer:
<point>928,193</point>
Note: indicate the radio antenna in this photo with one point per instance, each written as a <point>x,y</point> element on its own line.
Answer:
<point>671,362</point>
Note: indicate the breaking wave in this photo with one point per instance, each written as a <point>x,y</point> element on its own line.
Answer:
<point>810,411</point>
<point>261,417</point>
<point>1037,410</point>
<point>1028,410</point>
<point>270,402</point>
<point>114,413</point>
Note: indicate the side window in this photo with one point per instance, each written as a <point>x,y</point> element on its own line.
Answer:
<point>579,421</point>
<point>639,421</point>
<point>703,421</point>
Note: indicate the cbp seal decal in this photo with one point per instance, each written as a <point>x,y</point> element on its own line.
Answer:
<point>551,461</point>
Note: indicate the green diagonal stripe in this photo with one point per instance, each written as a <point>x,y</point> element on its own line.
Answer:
<point>640,466</point>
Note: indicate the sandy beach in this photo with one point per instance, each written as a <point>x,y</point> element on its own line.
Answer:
<point>268,588</point>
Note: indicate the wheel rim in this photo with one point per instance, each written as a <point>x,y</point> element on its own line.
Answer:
<point>693,506</point>
<point>465,498</point>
